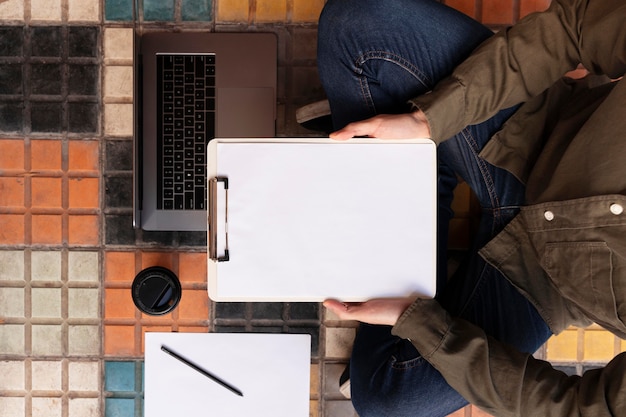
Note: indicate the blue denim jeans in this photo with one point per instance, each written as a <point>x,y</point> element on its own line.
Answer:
<point>373,56</point>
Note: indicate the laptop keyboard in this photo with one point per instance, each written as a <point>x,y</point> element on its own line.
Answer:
<point>186,103</point>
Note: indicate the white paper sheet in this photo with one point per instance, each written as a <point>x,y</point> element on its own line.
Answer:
<point>313,221</point>
<point>271,370</point>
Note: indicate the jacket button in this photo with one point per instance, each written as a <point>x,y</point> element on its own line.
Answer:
<point>548,215</point>
<point>616,209</point>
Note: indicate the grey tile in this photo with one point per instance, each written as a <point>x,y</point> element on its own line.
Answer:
<point>119,230</point>
<point>118,191</point>
<point>267,311</point>
<point>12,116</point>
<point>230,310</point>
<point>47,117</point>
<point>46,41</point>
<point>83,41</point>
<point>11,41</point>
<point>304,311</point>
<point>192,239</point>
<point>46,79</point>
<point>82,117</point>
<point>83,79</point>
<point>118,155</point>
<point>11,81</point>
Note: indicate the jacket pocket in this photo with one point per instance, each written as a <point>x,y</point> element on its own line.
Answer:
<point>583,273</point>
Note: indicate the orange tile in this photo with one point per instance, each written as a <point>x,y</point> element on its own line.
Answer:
<point>497,12</point>
<point>11,229</point>
<point>460,413</point>
<point>46,229</point>
<point>271,10</point>
<point>194,305</point>
<point>599,345</point>
<point>46,192</point>
<point>193,329</point>
<point>84,155</point>
<point>83,229</point>
<point>152,329</point>
<point>162,320</point>
<point>307,10</point>
<point>149,259</point>
<point>563,347</point>
<point>477,412</point>
<point>464,6</point>
<point>192,268</point>
<point>119,267</point>
<point>118,304</point>
<point>11,192</point>
<point>12,154</point>
<point>119,340</point>
<point>84,193</point>
<point>46,155</point>
<point>233,10</point>
<point>529,6</point>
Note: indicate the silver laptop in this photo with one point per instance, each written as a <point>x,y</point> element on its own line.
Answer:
<point>191,88</point>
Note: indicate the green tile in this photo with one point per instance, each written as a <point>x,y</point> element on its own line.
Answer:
<point>119,407</point>
<point>118,9</point>
<point>119,376</point>
<point>199,10</point>
<point>158,10</point>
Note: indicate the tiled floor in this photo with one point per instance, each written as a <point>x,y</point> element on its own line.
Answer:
<point>70,337</point>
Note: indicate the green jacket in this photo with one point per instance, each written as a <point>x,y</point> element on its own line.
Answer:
<point>566,250</point>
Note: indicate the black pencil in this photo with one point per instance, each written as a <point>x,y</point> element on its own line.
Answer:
<point>202,371</point>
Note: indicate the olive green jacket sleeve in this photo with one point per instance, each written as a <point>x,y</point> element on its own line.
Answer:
<point>521,62</point>
<point>503,381</point>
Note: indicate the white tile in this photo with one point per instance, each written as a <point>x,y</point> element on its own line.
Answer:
<point>47,407</point>
<point>83,10</point>
<point>118,43</point>
<point>339,341</point>
<point>12,375</point>
<point>83,303</point>
<point>84,407</point>
<point>47,339</point>
<point>12,10</point>
<point>12,339</point>
<point>118,82</point>
<point>84,376</point>
<point>82,266</point>
<point>13,406</point>
<point>46,266</point>
<point>11,262</point>
<point>48,10</point>
<point>84,340</point>
<point>118,119</point>
<point>47,375</point>
<point>46,302</point>
<point>12,302</point>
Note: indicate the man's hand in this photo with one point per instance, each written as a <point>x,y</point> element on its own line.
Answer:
<point>377,311</point>
<point>388,126</point>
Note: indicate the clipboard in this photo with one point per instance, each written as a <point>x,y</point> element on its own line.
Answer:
<point>261,366</point>
<point>309,219</point>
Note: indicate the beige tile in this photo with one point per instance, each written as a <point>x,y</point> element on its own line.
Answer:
<point>339,341</point>
<point>46,302</point>
<point>82,267</point>
<point>118,44</point>
<point>332,373</point>
<point>47,10</point>
<point>118,82</point>
<point>47,339</point>
<point>84,407</point>
<point>12,302</point>
<point>46,266</point>
<point>12,339</point>
<point>13,406</point>
<point>83,10</point>
<point>11,265</point>
<point>47,407</point>
<point>314,381</point>
<point>47,375</point>
<point>118,119</point>
<point>84,340</point>
<point>339,409</point>
<point>84,376</point>
<point>83,303</point>
<point>12,376</point>
<point>12,10</point>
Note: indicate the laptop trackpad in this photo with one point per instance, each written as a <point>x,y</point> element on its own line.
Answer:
<point>245,112</point>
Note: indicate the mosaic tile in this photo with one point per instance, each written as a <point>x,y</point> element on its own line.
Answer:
<point>307,10</point>
<point>339,342</point>
<point>118,119</point>
<point>83,10</point>
<point>84,193</point>
<point>232,10</point>
<point>563,347</point>
<point>12,376</point>
<point>11,265</point>
<point>46,41</point>
<point>46,10</point>
<point>530,6</point>
<point>118,192</point>
<point>119,340</point>
<point>118,155</point>
<point>12,406</point>
<point>497,12</point>
<point>599,345</point>
<point>118,81</point>
<point>46,192</point>
<point>11,79</point>
<point>46,155</point>
<point>118,9</point>
<point>84,155</point>
<point>84,376</point>
<point>83,230</point>
<point>83,303</point>
<point>84,407</point>
<point>158,10</point>
<point>47,375</point>
<point>47,407</point>
<point>46,117</point>
<point>271,10</point>
<point>82,267</point>
<point>465,6</point>
<point>11,41</point>
<point>47,339</point>
<point>12,302</point>
<point>82,117</point>
<point>339,409</point>
<point>332,374</point>
<point>46,266</point>
<point>46,302</point>
<point>118,44</point>
<point>12,10</point>
<point>118,304</point>
<point>199,10</point>
<point>12,339</point>
<point>119,407</point>
<point>83,41</point>
<point>46,79</point>
<point>12,192</point>
<point>11,229</point>
<point>83,79</point>
<point>84,340</point>
<point>11,116</point>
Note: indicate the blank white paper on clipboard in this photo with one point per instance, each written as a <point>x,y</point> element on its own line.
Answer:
<point>317,219</point>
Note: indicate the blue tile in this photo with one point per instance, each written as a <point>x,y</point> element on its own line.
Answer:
<point>158,10</point>
<point>119,407</point>
<point>197,10</point>
<point>118,9</point>
<point>119,376</point>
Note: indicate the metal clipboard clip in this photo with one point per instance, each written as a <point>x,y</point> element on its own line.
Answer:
<point>213,212</point>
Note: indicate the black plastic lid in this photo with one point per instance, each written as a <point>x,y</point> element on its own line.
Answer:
<point>156,291</point>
